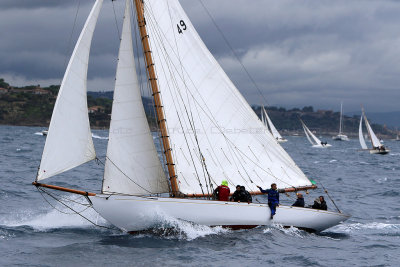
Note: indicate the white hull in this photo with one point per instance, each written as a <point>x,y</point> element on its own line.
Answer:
<point>376,151</point>
<point>283,140</point>
<point>131,213</point>
<point>322,146</point>
<point>340,137</point>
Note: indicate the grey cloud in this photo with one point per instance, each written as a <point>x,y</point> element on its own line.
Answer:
<point>299,52</point>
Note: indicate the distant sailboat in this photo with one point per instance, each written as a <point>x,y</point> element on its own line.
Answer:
<point>341,136</point>
<point>268,123</point>
<point>315,142</point>
<point>137,192</point>
<point>377,147</point>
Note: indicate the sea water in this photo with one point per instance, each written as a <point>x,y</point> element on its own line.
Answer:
<point>35,230</point>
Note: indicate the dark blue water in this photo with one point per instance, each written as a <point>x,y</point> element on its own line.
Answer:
<point>32,233</point>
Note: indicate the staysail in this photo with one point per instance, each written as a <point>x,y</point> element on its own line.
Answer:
<point>274,131</point>
<point>361,135</point>
<point>132,165</point>
<point>69,140</point>
<point>214,133</point>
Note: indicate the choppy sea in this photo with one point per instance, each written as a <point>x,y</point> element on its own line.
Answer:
<point>37,231</point>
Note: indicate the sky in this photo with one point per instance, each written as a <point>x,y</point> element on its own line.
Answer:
<point>298,52</point>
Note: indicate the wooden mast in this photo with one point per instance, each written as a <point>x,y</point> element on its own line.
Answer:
<point>156,95</point>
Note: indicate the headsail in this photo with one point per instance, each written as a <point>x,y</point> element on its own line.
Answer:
<point>69,141</point>
<point>132,165</point>
<point>214,133</point>
<point>361,135</point>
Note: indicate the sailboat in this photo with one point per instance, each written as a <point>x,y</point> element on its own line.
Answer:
<point>377,147</point>
<point>268,123</point>
<point>315,142</point>
<point>341,136</point>
<point>205,130</point>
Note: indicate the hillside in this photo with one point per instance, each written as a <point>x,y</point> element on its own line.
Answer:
<point>33,105</point>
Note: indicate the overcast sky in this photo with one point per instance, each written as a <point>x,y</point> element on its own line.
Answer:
<point>299,52</point>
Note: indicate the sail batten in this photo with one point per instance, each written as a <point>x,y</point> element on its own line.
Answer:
<point>132,165</point>
<point>69,140</point>
<point>206,114</point>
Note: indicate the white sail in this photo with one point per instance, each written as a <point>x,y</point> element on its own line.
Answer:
<point>207,117</point>
<point>69,141</point>
<point>307,135</point>
<point>274,131</point>
<point>341,114</point>
<point>306,130</point>
<point>374,140</point>
<point>132,165</point>
<point>361,135</point>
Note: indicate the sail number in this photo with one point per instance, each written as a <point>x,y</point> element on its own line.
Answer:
<point>181,26</point>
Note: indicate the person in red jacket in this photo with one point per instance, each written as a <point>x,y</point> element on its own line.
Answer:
<point>222,192</point>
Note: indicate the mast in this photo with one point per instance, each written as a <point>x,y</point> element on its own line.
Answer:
<point>340,123</point>
<point>156,95</point>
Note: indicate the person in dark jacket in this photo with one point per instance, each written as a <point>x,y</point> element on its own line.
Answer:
<point>300,201</point>
<point>273,198</point>
<point>236,195</point>
<point>320,204</point>
<point>245,195</point>
<point>222,192</point>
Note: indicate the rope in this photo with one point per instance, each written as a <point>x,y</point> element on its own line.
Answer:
<point>41,190</point>
<point>116,22</point>
<point>233,52</point>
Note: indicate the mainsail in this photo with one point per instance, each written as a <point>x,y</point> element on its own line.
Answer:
<point>361,135</point>
<point>214,133</point>
<point>132,165</point>
<point>69,141</point>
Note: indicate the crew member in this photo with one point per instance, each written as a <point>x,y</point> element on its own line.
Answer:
<point>273,198</point>
<point>222,192</point>
<point>299,201</point>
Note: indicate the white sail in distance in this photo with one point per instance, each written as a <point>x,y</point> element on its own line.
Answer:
<point>132,165</point>
<point>274,131</point>
<point>309,133</point>
<point>214,133</point>
<point>374,140</point>
<point>361,135</point>
<point>69,140</point>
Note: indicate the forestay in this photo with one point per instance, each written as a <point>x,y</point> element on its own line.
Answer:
<point>361,135</point>
<point>214,133</point>
<point>132,165</point>
<point>69,141</point>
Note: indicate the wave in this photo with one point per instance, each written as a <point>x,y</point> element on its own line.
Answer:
<point>367,226</point>
<point>172,228</point>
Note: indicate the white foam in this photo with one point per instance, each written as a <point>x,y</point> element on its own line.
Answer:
<point>334,160</point>
<point>54,219</point>
<point>188,230</point>
<point>369,226</point>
